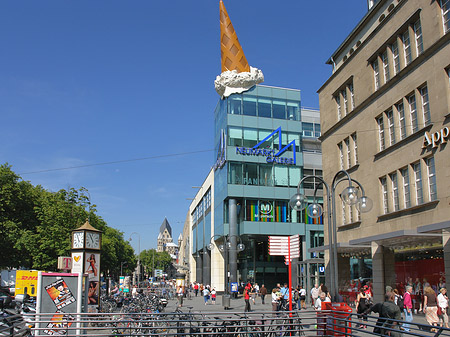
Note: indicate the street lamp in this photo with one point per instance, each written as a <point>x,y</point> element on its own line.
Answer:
<point>139,255</point>
<point>123,263</point>
<point>351,195</point>
<point>225,248</point>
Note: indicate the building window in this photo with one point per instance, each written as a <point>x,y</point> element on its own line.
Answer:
<point>406,191</point>
<point>249,106</point>
<point>376,74</point>
<point>418,36</point>
<point>308,129</point>
<point>344,220</point>
<point>338,106</point>
<point>431,178</point>
<point>413,113</point>
<point>355,148</point>
<point>395,191</point>
<point>445,6</point>
<point>264,107</point>
<point>401,120</point>
<point>349,156</point>
<point>406,47</point>
<point>384,194</point>
<point>352,95</point>
<point>381,133</point>
<point>344,97</point>
<point>293,111</point>
<point>234,136</point>
<point>235,105</point>
<point>418,183</point>
<point>317,132</point>
<point>341,155</point>
<point>395,57</point>
<point>279,109</point>
<point>425,106</point>
<point>390,117</point>
<point>384,59</point>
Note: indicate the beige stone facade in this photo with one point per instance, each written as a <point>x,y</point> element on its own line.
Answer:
<point>387,99</point>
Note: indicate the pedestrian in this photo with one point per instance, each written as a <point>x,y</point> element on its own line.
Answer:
<point>247,290</point>
<point>180,294</point>
<point>443,305</point>
<point>407,307</point>
<point>302,294</point>
<point>321,318</point>
<point>296,297</point>
<point>213,296</point>
<point>362,304</point>
<point>196,289</point>
<point>275,300</point>
<point>430,306</point>
<point>285,292</point>
<point>314,294</point>
<point>387,311</point>
<point>206,295</point>
<point>263,293</point>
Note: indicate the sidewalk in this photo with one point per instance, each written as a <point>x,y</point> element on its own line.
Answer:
<point>238,305</point>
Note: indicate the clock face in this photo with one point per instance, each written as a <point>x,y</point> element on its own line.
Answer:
<point>78,240</point>
<point>93,240</point>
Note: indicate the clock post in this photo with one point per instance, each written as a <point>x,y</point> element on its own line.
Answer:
<point>86,249</point>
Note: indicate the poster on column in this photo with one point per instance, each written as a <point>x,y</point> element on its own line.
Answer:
<point>77,262</point>
<point>58,297</point>
<point>92,269</point>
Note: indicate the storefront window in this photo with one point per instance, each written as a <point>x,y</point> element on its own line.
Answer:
<point>249,106</point>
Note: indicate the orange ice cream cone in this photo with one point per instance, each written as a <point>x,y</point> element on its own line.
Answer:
<point>233,57</point>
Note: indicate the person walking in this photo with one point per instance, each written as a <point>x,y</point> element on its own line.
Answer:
<point>443,305</point>
<point>430,307</point>
<point>407,307</point>
<point>361,302</point>
<point>302,294</point>
<point>247,290</point>
<point>206,295</point>
<point>314,294</point>
<point>263,293</point>
<point>180,294</point>
<point>196,289</point>
<point>275,300</point>
<point>213,296</point>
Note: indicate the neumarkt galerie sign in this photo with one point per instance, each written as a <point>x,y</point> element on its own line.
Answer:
<point>272,156</point>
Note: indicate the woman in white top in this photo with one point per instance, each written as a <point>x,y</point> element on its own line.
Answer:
<point>443,304</point>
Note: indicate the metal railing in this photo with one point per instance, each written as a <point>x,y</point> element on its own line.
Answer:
<point>195,323</point>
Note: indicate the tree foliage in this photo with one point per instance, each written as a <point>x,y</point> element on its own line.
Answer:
<point>36,225</point>
<point>151,260</point>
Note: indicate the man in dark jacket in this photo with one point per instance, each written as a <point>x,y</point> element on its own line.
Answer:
<point>263,293</point>
<point>388,311</point>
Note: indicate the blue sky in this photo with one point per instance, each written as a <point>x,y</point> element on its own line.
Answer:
<point>89,82</point>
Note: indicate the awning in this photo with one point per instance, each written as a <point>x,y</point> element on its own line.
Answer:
<point>434,228</point>
<point>400,238</point>
<point>342,247</point>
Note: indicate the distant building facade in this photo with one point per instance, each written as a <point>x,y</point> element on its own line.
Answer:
<point>165,241</point>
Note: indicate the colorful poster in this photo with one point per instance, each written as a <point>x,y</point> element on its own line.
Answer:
<point>91,265</point>
<point>92,270</point>
<point>60,294</point>
<point>59,324</point>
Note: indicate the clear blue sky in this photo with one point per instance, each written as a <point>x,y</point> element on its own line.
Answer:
<point>87,82</point>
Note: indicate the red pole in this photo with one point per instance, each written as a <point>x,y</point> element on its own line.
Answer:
<point>290,275</point>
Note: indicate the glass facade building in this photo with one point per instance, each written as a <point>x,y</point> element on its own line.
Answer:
<point>261,141</point>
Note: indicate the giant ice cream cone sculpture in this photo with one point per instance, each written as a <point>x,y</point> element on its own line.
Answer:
<point>237,76</point>
<point>233,57</point>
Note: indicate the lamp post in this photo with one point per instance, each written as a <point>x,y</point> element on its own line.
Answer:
<point>351,195</point>
<point>139,255</point>
<point>121,265</point>
<point>226,247</point>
